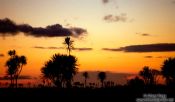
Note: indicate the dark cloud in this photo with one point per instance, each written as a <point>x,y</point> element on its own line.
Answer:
<point>76,49</point>
<point>41,47</point>
<point>20,77</point>
<point>55,48</point>
<point>148,57</point>
<point>2,55</point>
<point>76,31</point>
<point>112,49</point>
<point>83,49</point>
<point>144,34</point>
<point>161,47</point>
<point>8,27</point>
<point>173,2</point>
<point>105,1</point>
<point>115,18</point>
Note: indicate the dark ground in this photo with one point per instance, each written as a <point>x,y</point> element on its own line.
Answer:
<point>116,94</point>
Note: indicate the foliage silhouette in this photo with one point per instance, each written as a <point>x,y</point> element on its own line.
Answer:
<point>136,82</point>
<point>168,70</point>
<point>60,69</point>
<point>147,75</point>
<point>14,65</point>
<point>86,76</point>
<point>69,43</point>
<point>102,77</point>
<point>155,74</point>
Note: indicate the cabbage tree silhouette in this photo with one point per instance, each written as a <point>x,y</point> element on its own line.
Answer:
<point>168,70</point>
<point>102,77</point>
<point>60,69</point>
<point>14,65</point>
<point>86,76</point>
<point>69,43</point>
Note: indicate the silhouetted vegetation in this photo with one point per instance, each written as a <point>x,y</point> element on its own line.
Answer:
<point>168,70</point>
<point>60,69</point>
<point>69,43</point>
<point>149,75</point>
<point>136,82</point>
<point>86,76</point>
<point>14,65</point>
<point>102,77</point>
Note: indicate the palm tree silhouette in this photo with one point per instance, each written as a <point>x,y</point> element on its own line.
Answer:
<point>86,76</point>
<point>69,43</point>
<point>147,75</point>
<point>60,69</point>
<point>102,77</point>
<point>155,74</point>
<point>168,70</point>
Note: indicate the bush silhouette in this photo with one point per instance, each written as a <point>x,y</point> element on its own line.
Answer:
<point>60,69</point>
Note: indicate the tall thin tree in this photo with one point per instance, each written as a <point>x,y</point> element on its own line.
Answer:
<point>86,76</point>
<point>69,43</point>
<point>102,77</point>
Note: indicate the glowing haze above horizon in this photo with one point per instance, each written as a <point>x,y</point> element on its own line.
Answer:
<point>110,25</point>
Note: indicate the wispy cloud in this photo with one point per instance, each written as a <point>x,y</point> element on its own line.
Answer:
<point>105,1</point>
<point>9,27</point>
<point>41,47</point>
<point>83,49</point>
<point>160,47</point>
<point>115,18</point>
<point>2,55</point>
<point>148,56</point>
<point>144,34</point>
<point>76,49</point>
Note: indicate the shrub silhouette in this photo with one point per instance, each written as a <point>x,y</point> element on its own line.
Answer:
<point>60,69</point>
<point>136,82</point>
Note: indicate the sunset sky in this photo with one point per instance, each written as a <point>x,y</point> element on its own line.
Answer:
<point>109,35</point>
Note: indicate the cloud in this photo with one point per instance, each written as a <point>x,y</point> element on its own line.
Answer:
<point>115,18</point>
<point>20,77</point>
<point>83,49</point>
<point>144,34</point>
<point>2,55</point>
<point>76,49</point>
<point>41,47</point>
<point>148,57</point>
<point>173,1</point>
<point>8,27</point>
<point>160,47</point>
<point>112,49</point>
<point>105,1</point>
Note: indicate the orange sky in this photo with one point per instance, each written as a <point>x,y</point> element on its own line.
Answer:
<point>153,18</point>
